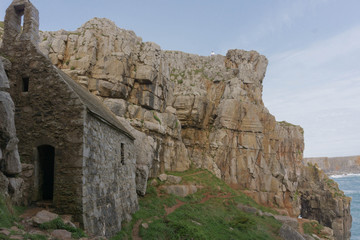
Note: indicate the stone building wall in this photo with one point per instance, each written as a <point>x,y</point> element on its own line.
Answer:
<point>48,112</point>
<point>109,190</point>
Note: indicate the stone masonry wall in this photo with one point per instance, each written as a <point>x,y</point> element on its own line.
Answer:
<point>49,112</point>
<point>109,191</point>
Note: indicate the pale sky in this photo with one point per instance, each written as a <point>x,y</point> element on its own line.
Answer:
<point>313,77</point>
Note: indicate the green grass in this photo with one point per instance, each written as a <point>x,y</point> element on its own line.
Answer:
<point>8,213</point>
<point>34,237</point>
<point>156,118</point>
<point>1,24</point>
<point>58,223</point>
<point>313,228</point>
<point>216,218</point>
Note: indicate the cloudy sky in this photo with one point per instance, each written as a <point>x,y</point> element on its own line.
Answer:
<point>313,47</point>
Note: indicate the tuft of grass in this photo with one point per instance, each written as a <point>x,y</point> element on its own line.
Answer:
<point>58,223</point>
<point>8,214</point>
<point>72,68</point>
<point>180,81</point>
<point>313,228</point>
<point>156,118</point>
<point>34,237</point>
<point>1,24</point>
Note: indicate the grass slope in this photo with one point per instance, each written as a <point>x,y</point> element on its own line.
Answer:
<point>216,218</point>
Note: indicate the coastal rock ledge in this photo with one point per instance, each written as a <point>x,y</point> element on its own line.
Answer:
<point>186,110</point>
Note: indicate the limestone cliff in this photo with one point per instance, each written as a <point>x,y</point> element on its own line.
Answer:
<point>337,165</point>
<point>187,109</point>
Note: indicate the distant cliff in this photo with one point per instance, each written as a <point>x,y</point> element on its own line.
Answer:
<point>337,165</point>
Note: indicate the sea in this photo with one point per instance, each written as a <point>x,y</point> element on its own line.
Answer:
<point>350,185</point>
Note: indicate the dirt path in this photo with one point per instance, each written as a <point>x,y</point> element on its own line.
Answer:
<point>135,231</point>
<point>301,221</point>
<point>208,196</point>
<point>173,208</point>
<point>192,174</point>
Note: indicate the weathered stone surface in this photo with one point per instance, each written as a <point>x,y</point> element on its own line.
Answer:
<point>109,187</point>
<point>287,233</point>
<point>322,200</point>
<point>16,190</point>
<point>247,209</point>
<point>5,232</point>
<point>61,234</point>
<point>292,222</point>
<point>180,190</point>
<point>173,179</point>
<point>4,82</point>
<point>163,177</point>
<point>8,141</point>
<point>4,184</point>
<point>44,216</point>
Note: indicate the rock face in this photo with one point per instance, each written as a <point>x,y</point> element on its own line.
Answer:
<point>337,165</point>
<point>187,109</point>
<point>205,110</point>
<point>322,200</point>
<point>9,157</point>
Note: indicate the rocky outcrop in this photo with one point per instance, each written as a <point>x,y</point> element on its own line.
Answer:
<point>322,200</point>
<point>337,165</point>
<point>9,156</point>
<point>187,109</point>
<point>205,110</point>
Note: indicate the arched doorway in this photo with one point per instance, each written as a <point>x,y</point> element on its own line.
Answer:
<point>46,157</point>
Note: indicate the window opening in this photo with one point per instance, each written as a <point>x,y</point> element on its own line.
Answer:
<point>20,10</point>
<point>25,84</point>
<point>122,154</point>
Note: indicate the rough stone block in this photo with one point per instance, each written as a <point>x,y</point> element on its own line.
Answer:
<point>44,216</point>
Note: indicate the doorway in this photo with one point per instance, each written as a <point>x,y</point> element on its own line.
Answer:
<point>46,155</point>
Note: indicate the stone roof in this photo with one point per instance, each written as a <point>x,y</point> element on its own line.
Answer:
<point>95,106</point>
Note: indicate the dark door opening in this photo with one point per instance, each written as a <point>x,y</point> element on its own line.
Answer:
<point>46,173</point>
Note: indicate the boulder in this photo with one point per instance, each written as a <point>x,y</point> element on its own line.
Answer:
<point>292,222</point>
<point>61,234</point>
<point>44,216</point>
<point>173,179</point>
<point>287,233</point>
<point>163,177</point>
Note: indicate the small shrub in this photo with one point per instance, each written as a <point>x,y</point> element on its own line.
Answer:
<point>241,222</point>
<point>72,68</point>
<point>180,81</point>
<point>157,118</point>
<point>67,62</point>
